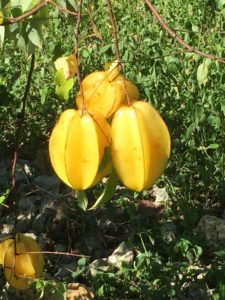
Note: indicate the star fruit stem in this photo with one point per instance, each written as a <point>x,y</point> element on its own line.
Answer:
<point>116,45</point>
<point>76,50</point>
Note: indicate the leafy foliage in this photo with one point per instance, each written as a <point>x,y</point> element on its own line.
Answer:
<point>187,89</point>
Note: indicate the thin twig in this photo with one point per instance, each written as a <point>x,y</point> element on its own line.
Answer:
<point>33,11</point>
<point>114,29</point>
<point>24,99</point>
<point>54,253</point>
<point>116,46</point>
<point>17,144</point>
<point>188,47</point>
<point>76,50</point>
<point>94,26</point>
<point>62,9</point>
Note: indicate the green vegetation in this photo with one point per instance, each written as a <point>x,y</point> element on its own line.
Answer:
<point>188,91</point>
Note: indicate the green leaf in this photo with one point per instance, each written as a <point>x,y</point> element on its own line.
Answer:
<point>26,4</point>
<point>213,146</point>
<point>108,191</point>
<point>16,11</point>
<point>173,64</point>
<point>4,95</point>
<point>105,49</point>
<point>2,36</point>
<point>220,3</point>
<point>82,200</point>
<point>63,86</point>
<point>59,77</point>
<point>220,254</point>
<point>105,160</point>
<point>63,91</point>
<point>34,37</point>
<point>214,121</point>
<point>62,3</point>
<point>202,73</point>
<point>222,104</point>
<point>1,17</point>
<point>43,14</point>
<point>4,196</point>
<point>73,3</point>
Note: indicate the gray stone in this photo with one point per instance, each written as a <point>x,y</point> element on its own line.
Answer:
<point>122,254</point>
<point>39,222</point>
<point>47,183</point>
<point>24,222</point>
<point>168,231</point>
<point>7,229</point>
<point>98,265</point>
<point>213,230</point>
<point>4,175</point>
<point>30,203</point>
<point>27,167</point>
<point>199,291</point>
<point>160,195</point>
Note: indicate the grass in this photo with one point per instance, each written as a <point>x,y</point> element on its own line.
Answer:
<point>194,112</point>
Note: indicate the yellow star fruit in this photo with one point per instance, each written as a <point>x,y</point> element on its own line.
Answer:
<point>77,147</point>
<point>140,145</point>
<point>21,266</point>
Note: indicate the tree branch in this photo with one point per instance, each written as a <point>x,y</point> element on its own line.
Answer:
<point>188,47</point>
<point>76,50</point>
<point>18,141</point>
<point>113,23</point>
<point>33,11</point>
<point>116,46</point>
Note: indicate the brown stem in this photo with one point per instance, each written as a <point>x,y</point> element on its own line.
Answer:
<point>188,47</point>
<point>17,143</point>
<point>26,15</point>
<point>24,99</point>
<point>114,29</point>
<point>54,253</point>
<point>116,45</point>
<point>33,11</point>
<point>94,26</point>
<point>62,9</point>
<point>76,50</point>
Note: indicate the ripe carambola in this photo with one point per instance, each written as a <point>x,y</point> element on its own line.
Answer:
<point>77,147</point>
<point>20,266</point>
<point>140,145</point>
<point>106,92</point>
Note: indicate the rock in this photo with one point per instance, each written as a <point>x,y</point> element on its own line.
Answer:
<point>93,238</point>
<point>168,231</point>
<point>47,183</point>
<point>199,291</point>
<point>24,222</point>
<point>213,230</point>
<point>79,291</point>
<point>122,254</point>
<point>42,161</point>
<point>148,208</point>
<point>160,195</point>
<point>7,229</point>
<point>98,265</point>
<point>4,175</point>
<point>57,224</point>
<point>30,203</point>
<point>40,221</point>
<point>23,171</point>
